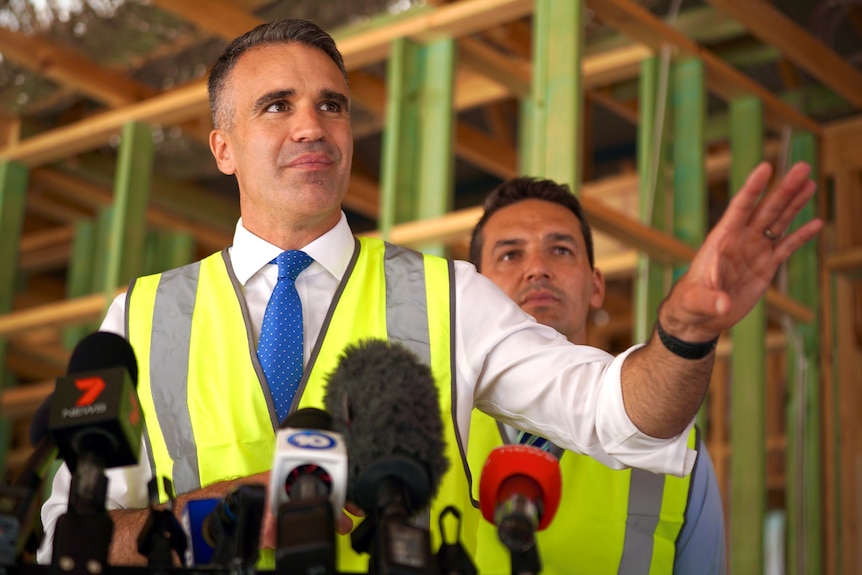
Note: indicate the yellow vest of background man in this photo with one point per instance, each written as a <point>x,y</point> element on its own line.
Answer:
<point>609,521</point>
<point>190,331</point>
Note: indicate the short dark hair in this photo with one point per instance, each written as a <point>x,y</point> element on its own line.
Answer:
<point>519,189</point>
<point>281,31</point>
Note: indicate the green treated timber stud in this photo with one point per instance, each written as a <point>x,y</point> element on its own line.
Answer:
<point>102,253</point>
<point>81,274</point>
<point>553,114</point>
<point>131,197</point>
<point>167,249</point>
<point>395,151</point>
<point>564,98</point>
<point>537,112</point>
<point>688,98</point>
<point>417,172</point>
<point>748,376</point>
<point>804,484</point>
<point>13,190</point>
<point>651,283</point>
<point>437,127</point>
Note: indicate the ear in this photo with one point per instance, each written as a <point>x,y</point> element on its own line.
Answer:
<point>221,150</point>
<point>598,297</point>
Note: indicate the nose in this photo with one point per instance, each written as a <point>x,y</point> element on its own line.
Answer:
<point>307,125</point>
<point>536,267</point>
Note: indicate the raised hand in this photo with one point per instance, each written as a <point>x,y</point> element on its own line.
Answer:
<point>737,262</point>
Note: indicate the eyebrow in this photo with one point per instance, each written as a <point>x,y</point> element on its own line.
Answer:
<point>273,96</point>
<point>507,243</point>
<point>561,237</point>
<point>551,237</point>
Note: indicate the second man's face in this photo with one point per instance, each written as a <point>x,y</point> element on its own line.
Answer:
<point>535,252</point>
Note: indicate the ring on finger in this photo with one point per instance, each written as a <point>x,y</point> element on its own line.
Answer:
<point>774,237</point>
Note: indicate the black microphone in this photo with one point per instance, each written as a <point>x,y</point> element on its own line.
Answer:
<point>95,409</point>
<point>307,487</point>
<point>384,402</point>
<point>232,528</point>
<point>96,421</point>
<point>17,502</point>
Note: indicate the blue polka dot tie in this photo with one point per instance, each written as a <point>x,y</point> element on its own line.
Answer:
<point>280,346</point>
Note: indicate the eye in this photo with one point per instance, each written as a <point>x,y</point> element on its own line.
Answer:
<point>280,106</point>
<point>508,256</point>
<point>330,106</point>
<point>561,251</point>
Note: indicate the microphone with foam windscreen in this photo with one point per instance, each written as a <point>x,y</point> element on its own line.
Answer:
<point>307,492</point>
<point>95,419</point>
<point>519,492</point>
<point>384,401</point>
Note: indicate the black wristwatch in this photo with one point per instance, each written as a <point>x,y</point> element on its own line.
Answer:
<point>685,349</point>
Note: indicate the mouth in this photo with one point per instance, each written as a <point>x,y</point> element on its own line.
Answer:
<point>311,162</point>
<point>538,297</point>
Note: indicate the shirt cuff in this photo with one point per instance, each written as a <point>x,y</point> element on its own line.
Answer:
<point>622,440</point>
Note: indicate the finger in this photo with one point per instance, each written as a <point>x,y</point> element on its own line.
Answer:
<point>743,203</point>
<point>783,195</point>
<point>786,246</point>
<point>791,210</point>
<point>267,531</point>
<point>344,525</point>
<point>354,509</point>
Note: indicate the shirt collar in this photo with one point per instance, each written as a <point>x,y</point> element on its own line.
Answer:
<point>331,251</point>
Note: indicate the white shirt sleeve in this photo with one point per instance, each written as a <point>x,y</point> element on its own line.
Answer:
<point>529,376</point>
<point>127,486</point>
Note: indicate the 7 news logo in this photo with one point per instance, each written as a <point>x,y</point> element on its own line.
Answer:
<point>91,388</point>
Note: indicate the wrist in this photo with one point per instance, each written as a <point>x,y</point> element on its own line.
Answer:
<point>685,349</point>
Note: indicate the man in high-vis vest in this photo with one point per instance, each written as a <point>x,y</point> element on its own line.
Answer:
<point>534,242</point>
<point>281,126</point>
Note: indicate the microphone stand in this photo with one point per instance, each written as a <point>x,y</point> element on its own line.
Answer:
<point>387,490</point>
<point>234,528</point>
<point>83,534</point>
<point>306,530</point>
<point>162,534</point>
<point>452,558</point>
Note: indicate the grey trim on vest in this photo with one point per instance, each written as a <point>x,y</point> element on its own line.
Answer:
<point>645,499</point>
<point>694,471</point>
<point>174,304</point>
<point>146,436</point>
<point>315,351</point>
<point>252,350</point>
<point>406,301</point>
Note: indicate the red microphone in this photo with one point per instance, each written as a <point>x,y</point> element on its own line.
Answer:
<point>519,492</point>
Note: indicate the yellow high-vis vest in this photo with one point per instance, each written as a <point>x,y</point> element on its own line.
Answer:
<point>609,521</point>
<point>207,405</point>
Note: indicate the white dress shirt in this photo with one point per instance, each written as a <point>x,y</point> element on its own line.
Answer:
<point>507,365</point>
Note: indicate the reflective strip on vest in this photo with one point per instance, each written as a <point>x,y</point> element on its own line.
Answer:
<point>645,499</point>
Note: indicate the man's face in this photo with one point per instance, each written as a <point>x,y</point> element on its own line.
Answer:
<point>287,138</point>
<point>535,252</point>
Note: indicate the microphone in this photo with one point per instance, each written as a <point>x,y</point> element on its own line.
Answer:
<point>232,528</point>
<point>96,422</point>
<point>519,492</point>
<point>307,492</point>
<point>383,400</point>
<point>95,409</point>
<point>17,502</point>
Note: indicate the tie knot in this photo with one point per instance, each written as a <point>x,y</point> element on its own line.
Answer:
<point>291,263</point>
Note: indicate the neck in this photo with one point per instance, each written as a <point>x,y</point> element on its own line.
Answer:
<point>291,235</point>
